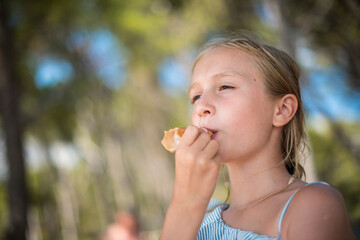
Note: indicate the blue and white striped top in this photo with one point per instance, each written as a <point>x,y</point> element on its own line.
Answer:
<point>213,227</point>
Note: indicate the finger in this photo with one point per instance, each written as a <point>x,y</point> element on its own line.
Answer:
<point>217,158</point>
<point>202,141</point>
<point>211,149</point>
<point>190,135</point>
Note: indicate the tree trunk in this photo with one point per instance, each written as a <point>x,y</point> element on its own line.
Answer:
<point>10,114</point>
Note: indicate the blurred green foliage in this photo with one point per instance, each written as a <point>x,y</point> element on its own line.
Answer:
<point>337,165</point>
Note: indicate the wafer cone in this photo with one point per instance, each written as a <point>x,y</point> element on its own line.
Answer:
<point>172,138</point>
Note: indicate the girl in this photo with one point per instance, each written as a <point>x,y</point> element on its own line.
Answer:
<point>247,94</point>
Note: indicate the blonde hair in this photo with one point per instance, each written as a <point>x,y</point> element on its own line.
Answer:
<point>281,76</point>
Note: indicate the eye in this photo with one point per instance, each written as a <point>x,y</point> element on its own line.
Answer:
<point>224,87</point>
<point>193,100</point>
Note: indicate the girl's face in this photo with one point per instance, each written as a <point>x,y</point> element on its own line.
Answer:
<point>229,99</point>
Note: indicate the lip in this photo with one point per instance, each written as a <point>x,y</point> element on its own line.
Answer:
<point>213,136</point>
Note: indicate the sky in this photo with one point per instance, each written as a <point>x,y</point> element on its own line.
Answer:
<point>104,52</point>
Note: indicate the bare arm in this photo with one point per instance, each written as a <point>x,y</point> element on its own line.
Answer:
<point>197,167</point>
<point>317,212</point>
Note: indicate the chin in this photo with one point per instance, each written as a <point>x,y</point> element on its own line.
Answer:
<point>229,157</point>
<point>226,154</point>
<point>225,159</point>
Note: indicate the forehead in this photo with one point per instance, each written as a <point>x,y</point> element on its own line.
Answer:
<point>222,60</point>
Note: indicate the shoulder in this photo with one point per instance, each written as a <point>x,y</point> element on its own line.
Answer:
<point>318,195</point>
<point>317,211</point>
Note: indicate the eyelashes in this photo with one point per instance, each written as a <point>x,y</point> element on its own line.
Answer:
<point>193,100</point>
<point>224,87</point>
<point>221,88</point>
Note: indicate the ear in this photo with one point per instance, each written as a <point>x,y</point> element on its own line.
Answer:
<point>285,110</point>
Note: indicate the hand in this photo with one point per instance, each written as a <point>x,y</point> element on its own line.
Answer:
<point>197,166</point>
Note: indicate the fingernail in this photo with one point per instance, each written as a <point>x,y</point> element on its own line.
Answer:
<point>205,130</point>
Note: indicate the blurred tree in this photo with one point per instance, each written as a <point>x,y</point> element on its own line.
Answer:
<point>116,123</point>
<point>25,30</point>
<point>332,27</point>
<point>10,93</point>
<point>333,30</point>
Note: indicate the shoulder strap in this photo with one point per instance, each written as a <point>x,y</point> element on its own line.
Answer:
<point>288,203</point>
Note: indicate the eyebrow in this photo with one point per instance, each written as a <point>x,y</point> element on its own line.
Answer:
<point>229,73</point>
<point>191,87</point>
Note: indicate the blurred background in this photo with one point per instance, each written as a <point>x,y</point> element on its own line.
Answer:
<point>87,88</point>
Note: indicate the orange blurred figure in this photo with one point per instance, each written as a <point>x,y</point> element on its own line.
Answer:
<point>124,228</point>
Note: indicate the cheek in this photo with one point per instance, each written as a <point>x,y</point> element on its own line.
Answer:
<point>194,118</point>
<point>259,108</point>
<point>251,119</point>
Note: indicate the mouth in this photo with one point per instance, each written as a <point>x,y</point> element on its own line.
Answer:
<point>214,132</point>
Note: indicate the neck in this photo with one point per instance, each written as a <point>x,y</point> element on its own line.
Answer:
<point>256,177</point>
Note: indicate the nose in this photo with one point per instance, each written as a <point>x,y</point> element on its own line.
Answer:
<point>204,107</point>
